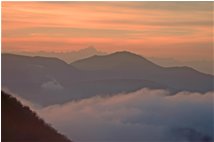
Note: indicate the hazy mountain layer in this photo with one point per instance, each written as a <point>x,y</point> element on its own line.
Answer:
<point>47,81</point>
<point>66,56</point>
<point>205,66</point>
<point>129,65</point>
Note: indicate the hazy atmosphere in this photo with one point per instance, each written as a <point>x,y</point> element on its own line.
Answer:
<point>107,71</point>
<point>161,29</point>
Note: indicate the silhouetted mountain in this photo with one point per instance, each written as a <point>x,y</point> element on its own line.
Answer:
<point>115,61</point>
<point>66,56</point>
<point>205,66</point>
<point>49,80</point>
<point>20,124</point>
<point>127,65</point>
<point>36,77</point>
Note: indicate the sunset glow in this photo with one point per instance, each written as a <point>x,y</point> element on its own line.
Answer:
<point>160,29</point>
<point>107,71</point>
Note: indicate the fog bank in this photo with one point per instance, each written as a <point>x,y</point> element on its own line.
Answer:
<point>144,115</point>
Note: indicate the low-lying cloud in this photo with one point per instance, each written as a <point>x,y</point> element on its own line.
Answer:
<point>145,115</point>
<point>52,85</point>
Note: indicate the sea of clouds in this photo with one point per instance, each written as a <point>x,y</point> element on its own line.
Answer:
<point>145,115</point>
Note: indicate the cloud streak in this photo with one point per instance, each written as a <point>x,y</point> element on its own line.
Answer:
<point>144,115</point>
<point>150,22</point>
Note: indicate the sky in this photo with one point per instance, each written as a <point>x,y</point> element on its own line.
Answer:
<point>180,30</point>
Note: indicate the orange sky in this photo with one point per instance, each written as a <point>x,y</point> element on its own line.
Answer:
<point>159,29</point>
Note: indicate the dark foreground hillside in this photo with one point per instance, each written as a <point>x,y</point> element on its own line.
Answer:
<point>20,124</point>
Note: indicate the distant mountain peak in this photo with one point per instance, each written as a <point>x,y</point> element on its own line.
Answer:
<point>126,54</point>
<point>67,56</point>
<point>118,55</point>
<point>91,48</point>
<point>120,59</point>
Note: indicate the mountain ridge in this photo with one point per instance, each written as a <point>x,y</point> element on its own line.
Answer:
<point>118,53</point>
<point>129,65</point>
<point>121,58</point>
<point>67,57</point>
<point>114,73</point>
<point>100,56</point>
